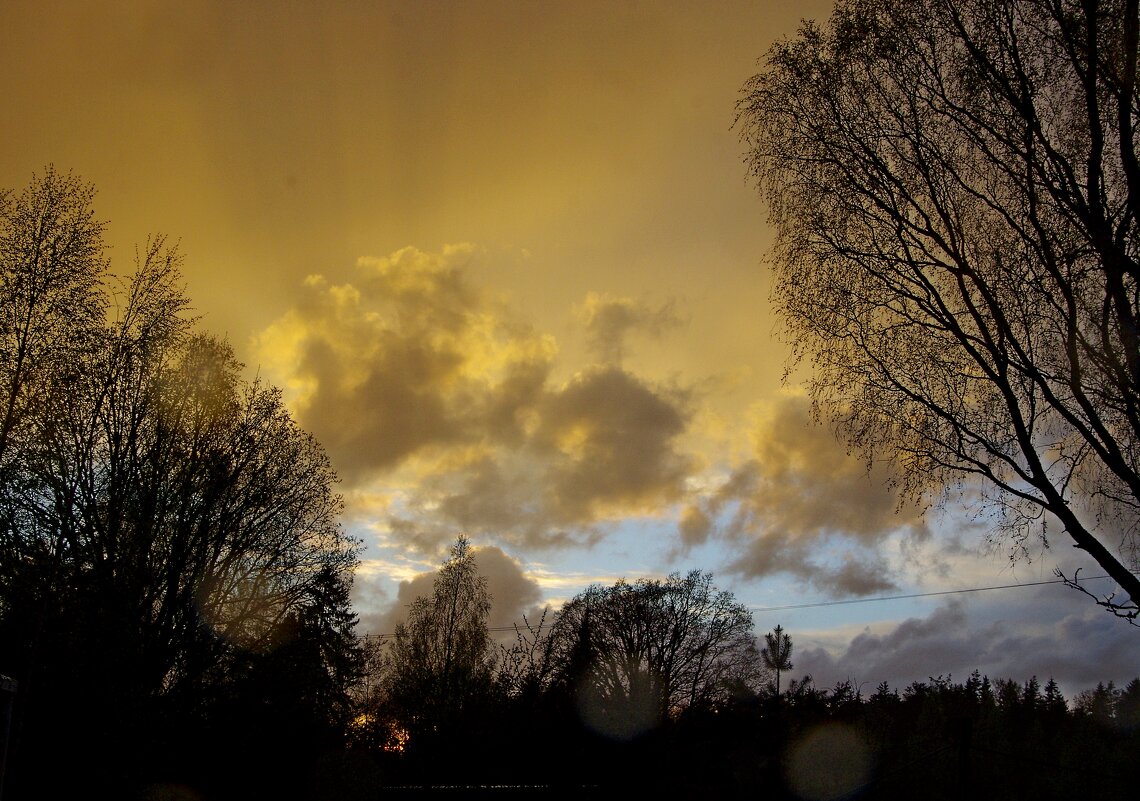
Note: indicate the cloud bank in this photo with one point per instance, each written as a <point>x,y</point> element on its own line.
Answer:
<point>1049,639</point>
<point>445,410</point>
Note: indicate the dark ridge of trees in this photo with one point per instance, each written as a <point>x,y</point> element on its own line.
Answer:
<point>930,740</point>
<point>955,188</point>
<point>612,693</point>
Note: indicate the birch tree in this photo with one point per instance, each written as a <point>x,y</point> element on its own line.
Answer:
<point>955,189</point>
<point>440,660</point>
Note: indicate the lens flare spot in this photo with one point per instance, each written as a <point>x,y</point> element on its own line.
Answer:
<point>622,718</point>
<point>828,762</point>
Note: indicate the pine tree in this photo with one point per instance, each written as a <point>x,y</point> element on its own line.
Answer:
<point>1128,706</point>
<point>1054,702</point>
<point>777,654</point>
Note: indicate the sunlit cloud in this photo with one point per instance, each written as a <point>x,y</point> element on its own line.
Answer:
<point>437,405</point>
<point>601,447</point>
<point>398,569</point>
<point>407,358</point>
<point>575,580</point>
<point>610,436</point>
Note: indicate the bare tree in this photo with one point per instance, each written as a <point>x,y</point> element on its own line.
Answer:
<point>440,660</point>
<point>528,666</point>
<point>182,497</point>
<point>51,269</point>
<point>955,189</point>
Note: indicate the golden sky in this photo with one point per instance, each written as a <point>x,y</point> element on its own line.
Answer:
<point>505,262</point>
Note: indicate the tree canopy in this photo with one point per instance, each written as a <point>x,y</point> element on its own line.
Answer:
<point>955,189</point>
<point>638,653</point>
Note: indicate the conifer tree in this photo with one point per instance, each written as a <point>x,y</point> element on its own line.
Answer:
<point>777,653</point>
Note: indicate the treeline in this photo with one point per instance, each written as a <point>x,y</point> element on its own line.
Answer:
<point>660,684</point>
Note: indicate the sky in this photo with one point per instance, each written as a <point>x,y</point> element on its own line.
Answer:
<point>505,263</point>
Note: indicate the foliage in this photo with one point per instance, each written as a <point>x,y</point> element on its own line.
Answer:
<point>956,189</point>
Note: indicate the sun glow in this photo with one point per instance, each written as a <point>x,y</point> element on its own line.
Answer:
<point>389,736</point>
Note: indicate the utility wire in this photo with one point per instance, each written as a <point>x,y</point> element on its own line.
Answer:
<point>918,595</point>
<point>837,603</point>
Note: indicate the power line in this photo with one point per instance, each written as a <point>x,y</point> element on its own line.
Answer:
<point>838,603</point>
<point>918,595</point>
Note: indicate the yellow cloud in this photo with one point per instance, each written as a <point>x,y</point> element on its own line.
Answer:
<point>437,396</point>
<point>407,357</point>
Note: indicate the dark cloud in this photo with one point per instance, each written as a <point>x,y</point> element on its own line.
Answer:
<point>603,444</point>
<point>513,594</point>
<point>858,574</point>
<point>382,419</point>
<point>695,526</point>
<point>489,497</point>
<point>420,532</point>
<point>812,485</point>
<point>609,321</point>
<point>611,437</point>
<point>1082,645</point>
<point>859,570</point>
<point>800,496</point>
<point>436,396</point>
<point>408,357</point>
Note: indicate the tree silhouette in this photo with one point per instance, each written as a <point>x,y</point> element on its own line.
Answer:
<point>51,272</point>
<point>777,653</point>
<point>161,518</point>
<point>639,653</point>
<point>440,662</point>
<point>955,188</point>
